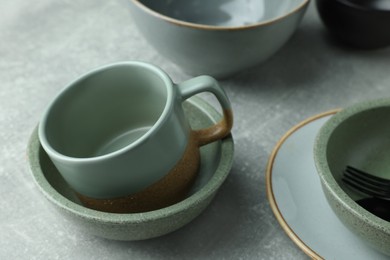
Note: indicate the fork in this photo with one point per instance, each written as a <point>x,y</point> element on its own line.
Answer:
<point>367,183</point>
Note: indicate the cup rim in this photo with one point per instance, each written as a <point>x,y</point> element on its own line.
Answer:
<point>158,123</point>
<point>178,22</point>
<point>324,172</point>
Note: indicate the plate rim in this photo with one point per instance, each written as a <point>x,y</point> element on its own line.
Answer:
<point>269,190</point>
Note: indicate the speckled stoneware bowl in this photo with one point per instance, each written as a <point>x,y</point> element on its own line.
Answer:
<point>216,162</point>
<point>219,37</point>
<point>358,136</point>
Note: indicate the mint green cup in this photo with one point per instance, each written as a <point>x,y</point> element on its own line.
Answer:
<point>120,129</point>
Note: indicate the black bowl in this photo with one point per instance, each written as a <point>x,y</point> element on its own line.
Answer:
<point>358,23</point>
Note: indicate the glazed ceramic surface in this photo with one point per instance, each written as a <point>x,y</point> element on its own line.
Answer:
<point>357,136</point>
<point>222,12</point>
<point>121,128</point>
<point>216,161</point>
<point>300,206</point>
<point>220,38</point>
<point>357,23</point>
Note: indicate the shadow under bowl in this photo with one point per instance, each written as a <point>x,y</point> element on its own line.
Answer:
<point>219,38</point>
<point>357,23</point>
<point>216,162</point>
<point>358,136</point>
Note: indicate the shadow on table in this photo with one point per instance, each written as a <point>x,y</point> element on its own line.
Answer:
<point>222,228</point>
<point>307,58</point>
<point>301,60</point>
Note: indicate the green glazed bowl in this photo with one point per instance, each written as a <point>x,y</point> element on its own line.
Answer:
<point>216,162</point>
<point>358,136</point>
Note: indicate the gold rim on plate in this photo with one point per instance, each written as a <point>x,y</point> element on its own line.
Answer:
<point>270,195</point>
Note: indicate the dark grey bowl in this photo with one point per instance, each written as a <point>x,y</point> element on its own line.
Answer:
<point>357,23</point>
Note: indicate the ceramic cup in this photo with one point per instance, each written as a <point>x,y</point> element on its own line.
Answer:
<point>118,135</point>
<point>220,38</point>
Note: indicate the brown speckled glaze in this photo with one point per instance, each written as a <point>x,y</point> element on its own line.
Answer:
<point>175,185</point>
<point>167,191</point>
<point>218,131</point>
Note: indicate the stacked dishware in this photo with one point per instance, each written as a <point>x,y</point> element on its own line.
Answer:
<point>125,153</point>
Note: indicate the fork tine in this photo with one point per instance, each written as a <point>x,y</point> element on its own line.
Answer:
<point>366,190</point>
<point>363,189</point>
<point>374,180</point>
<point>366,183</point>
<point>363,183</point>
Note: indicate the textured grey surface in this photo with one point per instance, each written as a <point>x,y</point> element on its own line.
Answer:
<point>44,44</point>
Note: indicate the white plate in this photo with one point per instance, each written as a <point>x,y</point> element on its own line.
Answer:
<point>296,198</point>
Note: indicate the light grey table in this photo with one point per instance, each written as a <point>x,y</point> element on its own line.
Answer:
<point>47,43</point>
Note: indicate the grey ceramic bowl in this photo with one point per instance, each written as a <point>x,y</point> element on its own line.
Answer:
<point>220,37</point>
<point>358,136</point>
<point>216,162</point>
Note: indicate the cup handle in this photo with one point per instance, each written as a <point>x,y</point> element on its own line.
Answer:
<point>208,84</point>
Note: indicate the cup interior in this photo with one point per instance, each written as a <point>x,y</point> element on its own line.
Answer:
<point>105,111</point>
<point>223,12</point>
<point>362,141</point>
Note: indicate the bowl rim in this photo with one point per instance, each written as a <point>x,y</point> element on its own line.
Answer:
<point>327,179</point>
<point>223,170</point>
<point>350,4</point>
<point>300,6</point>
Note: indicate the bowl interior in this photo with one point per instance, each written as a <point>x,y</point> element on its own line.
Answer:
<point>362,141</point>
<point>223,12</point>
